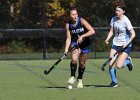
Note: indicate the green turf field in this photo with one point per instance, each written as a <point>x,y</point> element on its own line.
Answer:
<point>24,80</point>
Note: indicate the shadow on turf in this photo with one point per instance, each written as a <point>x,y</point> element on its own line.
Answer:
<point>61,87</point>
<point>54,87</point>
<point>97,86</point>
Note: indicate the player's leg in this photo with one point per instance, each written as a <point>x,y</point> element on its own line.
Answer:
<point>121,60</point>
<point>112,70</point>
<point>81,69</point>
<point>124,60</point>
<point>73,65</point>
<point>128,61</point>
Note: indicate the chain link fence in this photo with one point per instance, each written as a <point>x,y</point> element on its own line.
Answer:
<point>49,44</point>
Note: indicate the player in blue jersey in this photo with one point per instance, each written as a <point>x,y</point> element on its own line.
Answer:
<point>123,36</point>
<point>78,31</point>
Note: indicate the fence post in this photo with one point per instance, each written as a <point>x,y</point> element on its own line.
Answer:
<point>95,48</point>
<point>43,27</point>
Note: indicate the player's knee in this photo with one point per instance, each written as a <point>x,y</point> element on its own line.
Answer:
<point>74,61</point>
<point>119,66</point>
<point>82,64</point>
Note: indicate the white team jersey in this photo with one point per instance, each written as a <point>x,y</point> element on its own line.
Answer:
<point>121,29</point>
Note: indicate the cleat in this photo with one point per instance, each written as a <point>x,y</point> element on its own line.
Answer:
<point>130,66</point>
<point>80,84</point>
<point>113,84</point>
<point>71,80</point>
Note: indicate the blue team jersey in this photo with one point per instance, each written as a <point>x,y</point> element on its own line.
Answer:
<point>76,31</point>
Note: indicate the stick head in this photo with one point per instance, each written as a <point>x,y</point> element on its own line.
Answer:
<point>45,72</point>
<point>103,67</point>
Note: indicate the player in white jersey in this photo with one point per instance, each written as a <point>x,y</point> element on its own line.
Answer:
<point>123,35</point>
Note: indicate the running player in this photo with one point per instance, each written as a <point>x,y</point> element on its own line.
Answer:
<point>78,31</point>
<point>124,34</point>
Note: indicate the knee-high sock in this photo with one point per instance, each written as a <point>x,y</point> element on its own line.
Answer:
<point>112,72</point>
<point>81,71</point>
<point>73,68</point>
<point>127,62</point>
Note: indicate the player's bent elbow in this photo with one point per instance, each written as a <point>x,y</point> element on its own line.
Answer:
<point>134,36</point>
<point>93,32</point>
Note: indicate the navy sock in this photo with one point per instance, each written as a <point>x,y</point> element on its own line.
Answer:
<point>81,71</point>
<point>73,68</point>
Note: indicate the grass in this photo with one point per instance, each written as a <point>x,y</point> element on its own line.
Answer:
<point>56,55</point>
<point>24,80</point>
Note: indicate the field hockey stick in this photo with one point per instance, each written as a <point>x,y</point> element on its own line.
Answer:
<point>121,49</point>
<point>59,60</point>
<point>108,61</point>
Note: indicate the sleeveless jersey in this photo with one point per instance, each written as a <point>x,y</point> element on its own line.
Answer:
<point>77,31</point>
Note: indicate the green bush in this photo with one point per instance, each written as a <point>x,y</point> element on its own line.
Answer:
<point>18,47</point>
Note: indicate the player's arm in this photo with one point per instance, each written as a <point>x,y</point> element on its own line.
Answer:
<point>133,34</point>
<point>110,34</point>
<point>131,30</point>
<point>68,38</point>
<point>88,27</point>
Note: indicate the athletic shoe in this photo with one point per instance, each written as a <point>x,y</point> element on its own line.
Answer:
<point>71,80</point>
<point>130,66</point>
<point>113,84</point>
<point>80,84</point>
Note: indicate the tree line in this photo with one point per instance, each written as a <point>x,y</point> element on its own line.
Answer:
<point>29,13</point>
<point>54,14</point>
